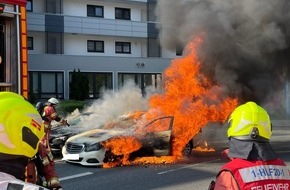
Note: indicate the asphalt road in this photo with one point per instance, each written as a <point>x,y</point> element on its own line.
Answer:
<point>194,173</point>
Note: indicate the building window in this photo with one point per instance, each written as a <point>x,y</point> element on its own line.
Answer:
<point>97,83</point>
<point>54,6</point>
<point>148,82</point>
<point>54,43</point>
<point>29,7</point>
<point>179,50</point>
<point>44,85</point>
<point>95,11</point>
<point>30,43</point>
<point>95,46</point>
<point>154,49</point>
<point>122,13</point>
<point>123,47</point>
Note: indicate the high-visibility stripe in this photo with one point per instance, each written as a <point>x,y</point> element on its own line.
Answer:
<point>24,53</point>
<point>264,172</point>
<point>35,124</point>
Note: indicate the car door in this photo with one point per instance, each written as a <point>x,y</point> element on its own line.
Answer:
<point>159,135</point>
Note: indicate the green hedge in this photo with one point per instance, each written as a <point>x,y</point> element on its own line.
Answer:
<point>68,106</point>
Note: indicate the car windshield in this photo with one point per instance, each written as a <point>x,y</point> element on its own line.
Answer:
<point>136,122</point>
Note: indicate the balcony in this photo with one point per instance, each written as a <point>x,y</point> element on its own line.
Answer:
<point>91,26</point>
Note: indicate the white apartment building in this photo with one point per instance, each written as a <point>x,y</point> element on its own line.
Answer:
<point>110,41</point>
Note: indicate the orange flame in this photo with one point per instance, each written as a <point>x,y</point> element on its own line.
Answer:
<point>191,98</point>
<point>204,148</point>
<point>121,146</point>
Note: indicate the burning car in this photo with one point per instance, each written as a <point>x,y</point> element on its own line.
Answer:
<point>93,148</point>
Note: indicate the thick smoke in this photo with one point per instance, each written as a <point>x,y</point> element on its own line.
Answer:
<point>110,106</point>
<point>245,45</point>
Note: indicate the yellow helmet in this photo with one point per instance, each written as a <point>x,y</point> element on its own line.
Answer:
<point>21,126</point>
<point>250,122</point>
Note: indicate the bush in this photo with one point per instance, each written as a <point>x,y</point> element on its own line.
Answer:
<point>79,86</point>
<point>68,106</point>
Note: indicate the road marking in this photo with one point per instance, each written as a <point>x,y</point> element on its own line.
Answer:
<point>188,166</point>
<point>56,160</point>
<point>75,176</point>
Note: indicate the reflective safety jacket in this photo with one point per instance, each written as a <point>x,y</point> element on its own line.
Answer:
<point>10,182</point>
<point>50,114</point>
<point>258,175</point>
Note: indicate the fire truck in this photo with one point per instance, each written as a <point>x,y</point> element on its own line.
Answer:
<point>13,47</point>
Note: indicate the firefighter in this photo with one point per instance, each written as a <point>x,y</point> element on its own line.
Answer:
<point>21,130</point>
<point>50,114</point>
<point>47,170</point>
<point>253,162</point>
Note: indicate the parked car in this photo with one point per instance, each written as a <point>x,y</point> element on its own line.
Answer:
<point>58,137</point>
<point>87,148</point>
<point>59,134</point>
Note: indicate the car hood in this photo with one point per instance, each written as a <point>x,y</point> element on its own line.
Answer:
<point>61,131</point>
<point>95,136</point>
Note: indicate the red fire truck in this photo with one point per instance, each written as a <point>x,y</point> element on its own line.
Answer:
<point>13,47</point>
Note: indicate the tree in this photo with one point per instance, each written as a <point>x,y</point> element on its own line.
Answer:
<point>79,86</point>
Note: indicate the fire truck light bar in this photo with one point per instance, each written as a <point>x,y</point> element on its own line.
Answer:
<point>2,6</point>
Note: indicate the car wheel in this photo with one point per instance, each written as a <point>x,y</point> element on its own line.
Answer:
<point>187,149</point>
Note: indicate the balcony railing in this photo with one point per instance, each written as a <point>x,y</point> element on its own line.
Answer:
<point>93,26</point>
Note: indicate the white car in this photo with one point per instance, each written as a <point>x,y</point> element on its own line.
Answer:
<point>87,148</point>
